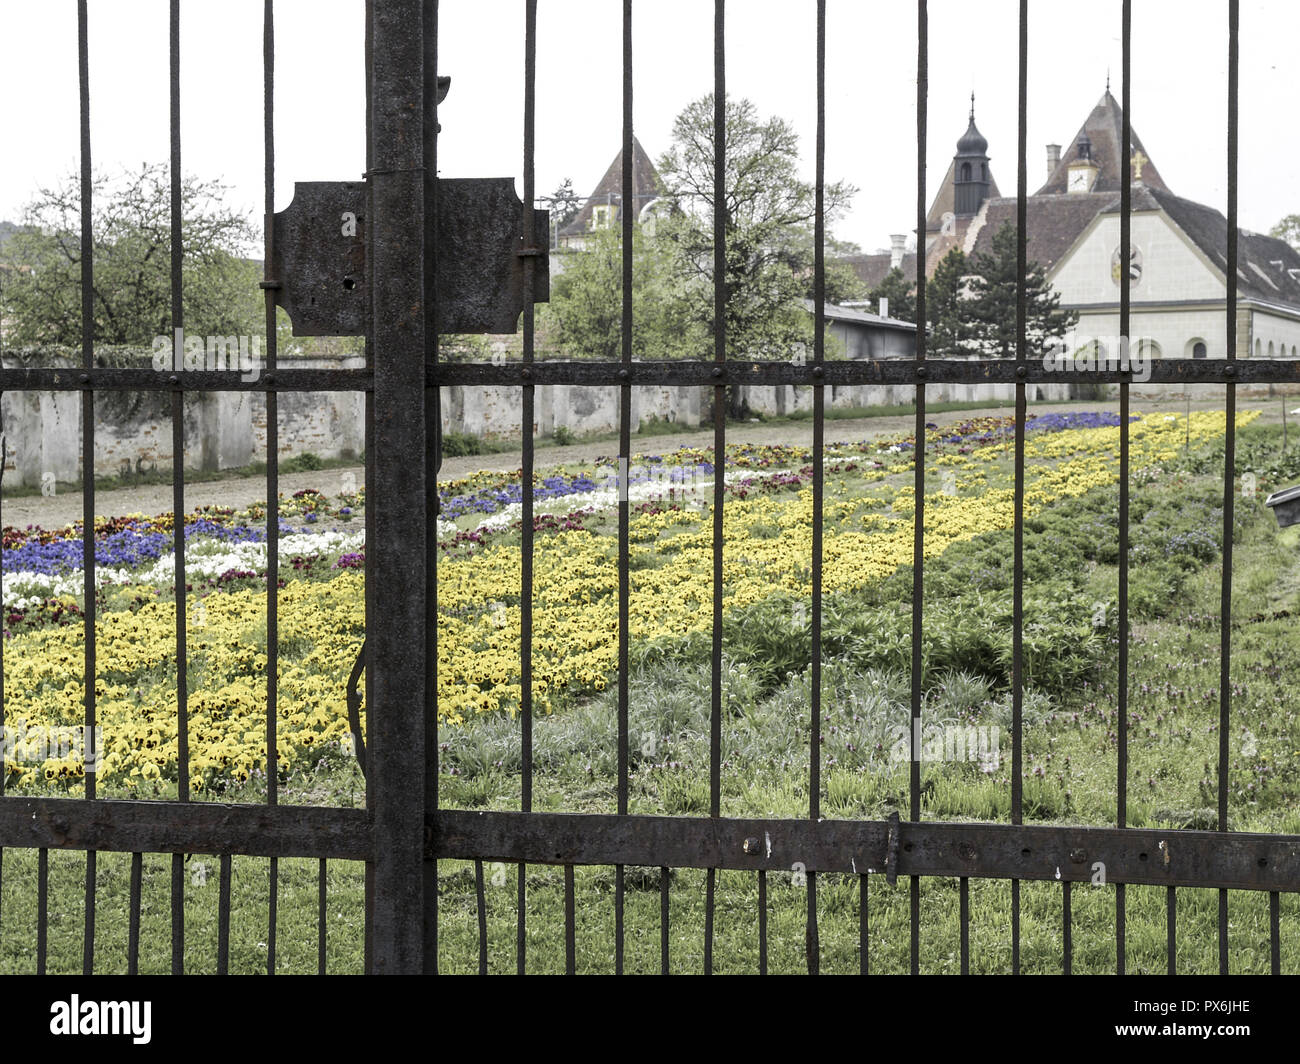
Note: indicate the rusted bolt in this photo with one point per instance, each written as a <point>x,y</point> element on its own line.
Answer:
<point>966,851</point>
<point>751,846</point>
<point>922,373</point>
<point>526,373</point>
<point>85,378</point>
<point>1022,371</point>
<point>717,371</point>
<point>171,379</point>
<point>623,374</point>
<point>1229,370</point>
<point>1078,856</point>
<point>818,371</point>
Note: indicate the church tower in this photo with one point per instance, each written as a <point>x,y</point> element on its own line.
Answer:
<point>970,168</point>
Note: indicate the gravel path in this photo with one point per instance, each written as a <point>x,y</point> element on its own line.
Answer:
<point>56,511</point>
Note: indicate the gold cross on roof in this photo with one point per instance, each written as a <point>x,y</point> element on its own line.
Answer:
<point>1139,161</point>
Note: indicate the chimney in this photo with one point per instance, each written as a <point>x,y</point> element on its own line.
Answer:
<point>884,306</point>
<point>1053,158</point>
<point>896,242</point>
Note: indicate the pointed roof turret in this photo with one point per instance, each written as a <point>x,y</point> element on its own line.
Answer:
<point>972,141</point>
<point>1102,136</point>
<point>646,187</point>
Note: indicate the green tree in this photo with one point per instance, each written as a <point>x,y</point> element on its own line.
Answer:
<point>131,229</point>
<point>564,205</point>
<point>993,291</point>
<point>768,215</point>
<point>953,331</point>
<point>901,293</point>
<point>584,318</point>
<point>1288,229</point>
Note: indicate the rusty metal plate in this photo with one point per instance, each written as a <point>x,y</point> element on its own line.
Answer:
<point>319,258</point>
<point>481,256</point>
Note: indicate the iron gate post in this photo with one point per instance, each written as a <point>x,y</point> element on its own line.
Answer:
<point>395,614</point>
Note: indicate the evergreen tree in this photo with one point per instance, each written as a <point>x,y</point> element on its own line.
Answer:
<point>901,293</point>
<point>994,301</point>
<point>954,332</point>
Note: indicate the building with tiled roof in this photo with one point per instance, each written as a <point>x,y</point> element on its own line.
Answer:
<point>604,207</point>
<point>1178,262</point>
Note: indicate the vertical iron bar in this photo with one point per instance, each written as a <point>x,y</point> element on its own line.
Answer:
<point>529,396</point>
<point>1125,236</point>
<point>627,211</point>
<point>1018,577</point>
<point>964,891</point>
<point>1015,927</point>
<point>396,669</point>
<point>371,522</point>
<point>178,488</point>
<point>1229,469</point>
<point>1067,928</point>
<point>1274,932</point>
<point>42,908</point>
<point>133,925</point>
<point>812,946</point>
<point>918,520</point>
<point>481,896</point>
<point>864,955</point>
<point>322,913</point>
<point>273,908</point>
<point>272,473</point>
<point>664,966</point>
<point>223,917</point>
<point>433,460</point>
<point>710,888</point>
<point>762,922</point>
<point>1171,928</point>
<point>570,921</point>
<point>90,745</point>
<point>719,436</point>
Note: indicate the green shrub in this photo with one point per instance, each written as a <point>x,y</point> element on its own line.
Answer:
<point>459,444</point>
<point>306,462</point>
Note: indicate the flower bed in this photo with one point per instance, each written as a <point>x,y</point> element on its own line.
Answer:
<point>767,533</point>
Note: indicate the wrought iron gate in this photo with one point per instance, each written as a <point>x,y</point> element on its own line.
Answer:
<point>402,832</point>
<point>913,848</point>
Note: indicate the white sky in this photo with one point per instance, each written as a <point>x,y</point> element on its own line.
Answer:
<point>1179,90</point>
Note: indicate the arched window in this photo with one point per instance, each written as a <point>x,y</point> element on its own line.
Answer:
<point>1270,349</point>
<point>1293,350</point>
<point>1148,349</point>
<point>965,171</point>
<point>1198,349</point>
<point>1259,348</point>
<point>984,171</point>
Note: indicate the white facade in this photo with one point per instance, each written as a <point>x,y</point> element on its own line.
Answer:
<point>1179,298</point>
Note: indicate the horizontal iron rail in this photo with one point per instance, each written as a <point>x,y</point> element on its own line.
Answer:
<point>184,827</point>
<point>861,371</point>
<point>143,379</point>
<point>1175,858</point>
<point>699,374</point>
